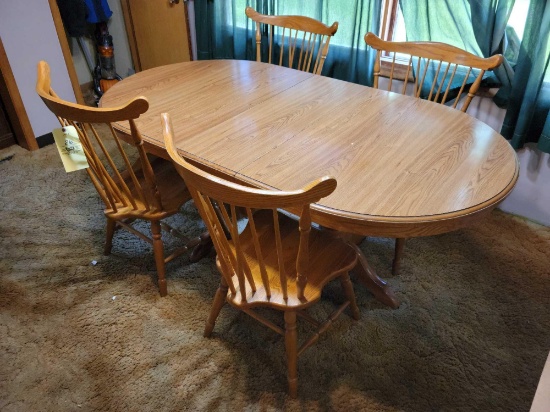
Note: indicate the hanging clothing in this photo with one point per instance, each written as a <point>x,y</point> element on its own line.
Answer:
<point>98,11</point>
<point>73,13</point>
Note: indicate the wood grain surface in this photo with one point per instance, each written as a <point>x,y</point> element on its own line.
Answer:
<point>405,167</point>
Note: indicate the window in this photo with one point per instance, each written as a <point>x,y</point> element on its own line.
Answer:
<point>392,26</point>
<point>518,17</point>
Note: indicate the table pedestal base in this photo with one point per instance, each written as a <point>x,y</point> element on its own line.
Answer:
<point>202,249</point>
<point>367,276</point>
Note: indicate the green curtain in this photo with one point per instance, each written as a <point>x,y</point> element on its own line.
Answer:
<point>477,26</point>
<point>224,31</point>
<point>528,116</point>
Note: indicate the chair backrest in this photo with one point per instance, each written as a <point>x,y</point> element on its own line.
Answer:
<point>220,204</point>
<point>122,186</point>
<point>298,42</point>
<point>440,60</point>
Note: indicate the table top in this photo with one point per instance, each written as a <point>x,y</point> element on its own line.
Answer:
<point>405,167</point>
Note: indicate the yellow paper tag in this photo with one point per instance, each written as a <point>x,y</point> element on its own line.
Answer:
<point>70,149</point>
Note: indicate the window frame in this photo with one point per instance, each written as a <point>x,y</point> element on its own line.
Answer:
<point>388,19</point>
<point>387,28</point>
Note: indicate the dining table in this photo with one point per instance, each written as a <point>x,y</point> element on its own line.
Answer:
<point>405,167</point>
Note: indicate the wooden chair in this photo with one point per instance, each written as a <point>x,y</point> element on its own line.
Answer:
<point>275,261</point>
<point>445,60</point>
<point>140,188</point>
<point>296,41</point>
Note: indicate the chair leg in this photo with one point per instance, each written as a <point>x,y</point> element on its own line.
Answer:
<point>291,344</point>
<point>219,301</point>
<point>399,247</point>
<point>158,250</point>
<point>110,232</point>
<point>350,295</point>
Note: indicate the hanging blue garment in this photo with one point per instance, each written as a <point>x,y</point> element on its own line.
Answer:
<point>98,11</point>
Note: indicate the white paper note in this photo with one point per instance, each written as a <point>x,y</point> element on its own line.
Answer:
<point>70,149</point>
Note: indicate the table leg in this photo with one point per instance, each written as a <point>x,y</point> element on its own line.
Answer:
<point>366,274</point>
<point>199,246</point>
<point>202,249</point>
<point>368,277</point>
<point>398,256</point>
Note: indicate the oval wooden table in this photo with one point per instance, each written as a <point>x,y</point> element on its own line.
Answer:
<point>405,167</point>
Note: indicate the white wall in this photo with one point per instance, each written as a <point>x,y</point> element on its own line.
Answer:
<point>28,34</point>
<point>531,196</point>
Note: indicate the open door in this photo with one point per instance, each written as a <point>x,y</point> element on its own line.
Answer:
<point>158,32</point>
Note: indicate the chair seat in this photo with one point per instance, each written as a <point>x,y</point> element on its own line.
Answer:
<point>171,187</point>
<point>329,257</point>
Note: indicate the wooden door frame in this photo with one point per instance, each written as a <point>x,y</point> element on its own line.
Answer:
<point>132,42</point>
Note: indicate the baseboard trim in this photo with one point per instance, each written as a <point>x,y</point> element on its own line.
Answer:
<point>45,140</point>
